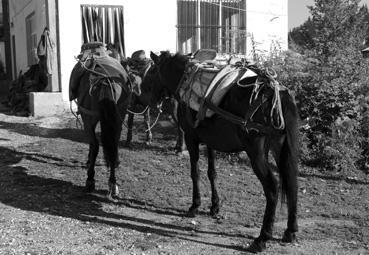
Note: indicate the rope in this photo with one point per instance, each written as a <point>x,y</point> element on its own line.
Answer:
<point>75,114</point>
<point>157,117</point>
<point>138,113</point>
<point>276,102</point>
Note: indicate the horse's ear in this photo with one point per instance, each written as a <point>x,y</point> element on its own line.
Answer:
<point>154,57</point>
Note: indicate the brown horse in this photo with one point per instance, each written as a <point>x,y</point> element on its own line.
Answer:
<point>231,130</point>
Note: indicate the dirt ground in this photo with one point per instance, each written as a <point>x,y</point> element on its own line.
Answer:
<point>43,209</point>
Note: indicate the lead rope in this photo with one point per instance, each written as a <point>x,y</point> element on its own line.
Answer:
<point>157,117</point>
<point>79,124</point>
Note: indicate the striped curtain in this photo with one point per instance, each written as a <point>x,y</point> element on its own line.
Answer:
<point>104,24</point>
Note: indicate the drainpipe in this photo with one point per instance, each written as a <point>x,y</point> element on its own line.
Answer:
<point>198,24</point>
<point>7,42</point>
<point>52,22</point>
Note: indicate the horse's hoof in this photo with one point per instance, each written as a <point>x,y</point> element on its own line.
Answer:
<point>183,153</point>
<point>214,211</point>
<point>113,190</point>
<point>90,186</point>
<point>289,237</point>
<point>148,143</point>
<point>192,212</point>
<point>256,246</point>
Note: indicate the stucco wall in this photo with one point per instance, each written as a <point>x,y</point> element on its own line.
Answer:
<point>267,22</point>
<point>18,11</point>
<point>148,26</point>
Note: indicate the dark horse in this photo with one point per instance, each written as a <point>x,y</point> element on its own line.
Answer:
<point>103,92</point>
<point>138,66</point>
<point>220,133</point>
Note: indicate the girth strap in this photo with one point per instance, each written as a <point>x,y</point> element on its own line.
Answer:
<point>246,122</point>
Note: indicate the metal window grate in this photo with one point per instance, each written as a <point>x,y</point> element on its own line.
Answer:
<point>214,24</point>
<point>103,23</point>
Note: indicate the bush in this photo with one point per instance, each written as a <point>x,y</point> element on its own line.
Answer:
<point>333,105</point>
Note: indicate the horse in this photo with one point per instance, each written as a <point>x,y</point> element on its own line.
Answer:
<point>103,92</point>
<point>171,108</point>
<point>137,66</point>
<point>238,126</point>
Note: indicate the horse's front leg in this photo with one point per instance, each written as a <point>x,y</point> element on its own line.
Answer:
<point>193,149</point>
<point>180,144</point>
<point>148,127</point>
<point>129,130</point>
<point>212,175</point>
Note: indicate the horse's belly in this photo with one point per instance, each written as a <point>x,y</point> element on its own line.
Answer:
<point>221,135</point>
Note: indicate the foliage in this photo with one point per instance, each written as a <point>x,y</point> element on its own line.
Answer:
<point>330,79</point>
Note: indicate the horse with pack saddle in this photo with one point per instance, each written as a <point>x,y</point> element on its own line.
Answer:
<point>234,107</point>
<point>103,90</point>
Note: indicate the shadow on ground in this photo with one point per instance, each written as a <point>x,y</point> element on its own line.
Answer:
<point>29,192</point>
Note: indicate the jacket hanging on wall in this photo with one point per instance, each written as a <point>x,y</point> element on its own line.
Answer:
<point>44,51</point>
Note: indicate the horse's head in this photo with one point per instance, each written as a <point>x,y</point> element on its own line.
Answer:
<point>152,90</point>
<point>166,74</point>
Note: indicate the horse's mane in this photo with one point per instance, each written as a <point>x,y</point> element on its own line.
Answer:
<point>177,61</point>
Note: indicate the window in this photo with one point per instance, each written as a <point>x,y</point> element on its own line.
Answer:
<point>213,24</point>
<point>103,24</point>
<point>31,39</point>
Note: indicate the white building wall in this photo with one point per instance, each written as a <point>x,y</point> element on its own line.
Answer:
<point>148,24</point>
<point>267,23</point>
<point>18,11</point>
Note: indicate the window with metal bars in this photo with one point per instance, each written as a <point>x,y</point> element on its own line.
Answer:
<point>103,23</point>
<point>211,24</point>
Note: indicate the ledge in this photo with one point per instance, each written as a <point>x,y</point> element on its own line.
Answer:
<point>46,103</point>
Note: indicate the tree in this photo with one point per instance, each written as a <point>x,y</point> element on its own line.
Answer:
<point>334,96</point>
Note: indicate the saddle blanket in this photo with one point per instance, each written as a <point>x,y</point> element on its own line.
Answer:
<point>104,65</point>
<point>213,83</point>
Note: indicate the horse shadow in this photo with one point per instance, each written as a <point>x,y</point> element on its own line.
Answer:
<point>32,129</point>
<point>77,134</point>
<point>23,190</point>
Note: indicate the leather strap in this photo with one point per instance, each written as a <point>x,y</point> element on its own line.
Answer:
<point>246,122</point>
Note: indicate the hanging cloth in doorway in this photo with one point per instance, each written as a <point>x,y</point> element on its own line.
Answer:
<point>45,52</point>
<point>103,24</point>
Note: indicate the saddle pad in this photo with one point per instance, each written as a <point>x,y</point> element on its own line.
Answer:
<point>220,85</point>
<point>105,65</point>
<point>194,86</point>
<point>111,67</point>
<point>207,82</point>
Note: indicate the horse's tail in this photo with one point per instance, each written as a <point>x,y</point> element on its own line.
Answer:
<point>110,130</point>
<point>288,159</point>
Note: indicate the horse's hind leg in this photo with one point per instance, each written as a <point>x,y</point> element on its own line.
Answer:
<point>212,175</point>
<point>288,171</point>
<point>269,182</point>
<point>89,126</point>
<point>113,187</point>
<point>148,128</point>
<point>129,130</point>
